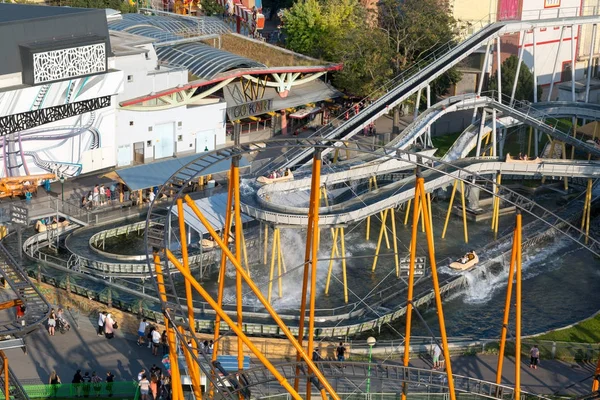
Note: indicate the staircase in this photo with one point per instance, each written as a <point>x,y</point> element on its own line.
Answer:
<point>37,308</point>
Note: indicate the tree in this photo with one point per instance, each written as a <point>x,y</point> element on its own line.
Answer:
<point>211,7</point>
<point>366,59</point>
<point>508,71</point>
<point>415,29</point>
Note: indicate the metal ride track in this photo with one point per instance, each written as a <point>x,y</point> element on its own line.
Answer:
<point>394,194</point>
<point>421,74</point>
<point>349,377</point>
<point>524,113</point>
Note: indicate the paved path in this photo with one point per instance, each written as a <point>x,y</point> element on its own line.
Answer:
<point>80,348</point>
<point>551,377</point>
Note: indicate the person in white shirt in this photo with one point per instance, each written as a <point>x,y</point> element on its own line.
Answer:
<point>151,196</point>
<point>101,319</point>
<point>155,341</point>
<point>142,332</point>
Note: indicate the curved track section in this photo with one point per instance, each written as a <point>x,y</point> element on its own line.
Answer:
<point>525,113</point>
<point>419,77</point>
<point>437,176</point>
<point>350,376</point>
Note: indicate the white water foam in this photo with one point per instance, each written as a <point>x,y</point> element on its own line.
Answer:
<point>483,283</point>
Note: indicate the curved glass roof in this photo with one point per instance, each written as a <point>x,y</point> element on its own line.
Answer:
<point>202,60</point>
<point>184,25</point>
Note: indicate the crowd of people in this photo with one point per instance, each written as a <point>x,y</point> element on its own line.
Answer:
<point>101,196</point>
<point>154,384</point>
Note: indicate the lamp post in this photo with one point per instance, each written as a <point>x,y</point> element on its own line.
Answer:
<point>370,342</point>
<point>62,187</point>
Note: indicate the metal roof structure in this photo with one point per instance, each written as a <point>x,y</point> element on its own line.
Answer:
<point>202,60</point>
<point>157,173</point>
<point>213,208</point>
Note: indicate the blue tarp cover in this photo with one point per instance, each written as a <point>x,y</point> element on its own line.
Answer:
<point>157,173</point>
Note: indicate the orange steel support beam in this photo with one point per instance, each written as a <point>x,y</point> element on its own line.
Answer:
<point>6,375</point>
<point>436,286</point>
<point>208,298</point>
<point>226,230</point>
<point>235,180</point>
<point>186,264</point>
<point>596,381</point>
<point>421,203</point>
<point>314,204</point>
<point>175,375</point>
<point>284,328</point>
<point>10,304</point>
<point>194,372</point>
<point>314,187</point>
<point>518,313</point>
<point>511,276</point>
<point>411,280</point>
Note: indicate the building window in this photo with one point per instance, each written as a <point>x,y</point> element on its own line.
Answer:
<point>180,138</point>
<point>149,129</point>
<point>129,78</point>
<point>130,123</point>
<point>148,143</point>
<point>179,124</point>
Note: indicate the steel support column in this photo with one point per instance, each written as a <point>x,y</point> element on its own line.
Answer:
<point>589,67</point>
<point>484,69</point>
<point>521,51</point>
<point>499,69</point>
<point>507,304</point>
<point>235,181</point>
<point>560,41</point>
<point>256,290</point>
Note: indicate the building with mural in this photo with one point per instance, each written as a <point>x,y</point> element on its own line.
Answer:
<point>116,90</point>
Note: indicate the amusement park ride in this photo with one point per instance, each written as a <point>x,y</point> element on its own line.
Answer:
<point>167,234</point>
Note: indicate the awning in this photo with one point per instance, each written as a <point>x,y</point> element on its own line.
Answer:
<point>157,173</point>
<point>213,208</point>
<point>239,107</point>
<point>305,112</point>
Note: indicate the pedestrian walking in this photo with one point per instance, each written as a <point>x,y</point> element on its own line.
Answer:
<point>144,387</point>
<point>51,322</point>
<point>535,357</point>
<point>77,379</point>
<point>101,319</point>
<point>109,327</point>
<point>54,381</point>
<point>437,352</point>
<point>341,352</point>
<point>141,374</point>
<point>86,384</point>
<point>96,195</point>
<point>151,329</point>
<point>164,340</point>
<point>102,192</point>
<point>142,332</point>
<point>155,341</point>
<point>110,378</point>
<point>96,380</point>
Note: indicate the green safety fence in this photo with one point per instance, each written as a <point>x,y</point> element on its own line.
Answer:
<point>91,390</point>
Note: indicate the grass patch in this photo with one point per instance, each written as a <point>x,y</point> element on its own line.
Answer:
<point>443,143</point>
<point>268,55</point>
<point>587,331</point>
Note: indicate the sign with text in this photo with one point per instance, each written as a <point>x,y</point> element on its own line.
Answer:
<point>249,109</point>
<point>551,3</point>
<point>419,266</point>
<point>19,215</point>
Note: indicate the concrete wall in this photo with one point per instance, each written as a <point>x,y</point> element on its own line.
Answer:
<point>141,76</point>
<point>195,128</point>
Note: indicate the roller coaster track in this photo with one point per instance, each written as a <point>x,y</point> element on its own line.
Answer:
<point>419,76</point>
<point>535,115</point>
<point>440,175</point>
